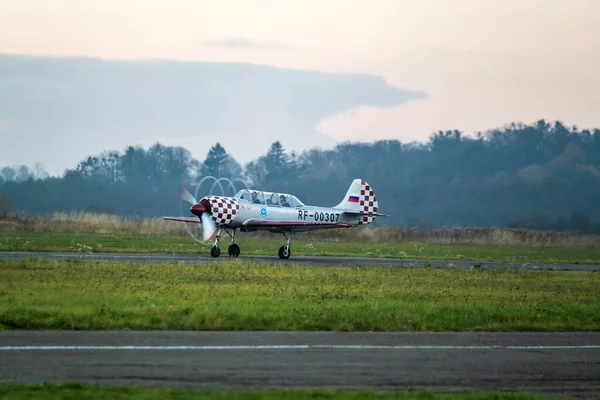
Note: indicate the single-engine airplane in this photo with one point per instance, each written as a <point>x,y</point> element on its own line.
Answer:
<point>252,210</point>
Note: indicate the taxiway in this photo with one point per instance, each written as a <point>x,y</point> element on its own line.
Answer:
<point>296,260</point>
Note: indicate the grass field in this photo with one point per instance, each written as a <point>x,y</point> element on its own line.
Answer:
<point>301,246</point>
<point>89,232</point>
<point>45,294</point>
<point>77,390</point>
<point>95,223</point>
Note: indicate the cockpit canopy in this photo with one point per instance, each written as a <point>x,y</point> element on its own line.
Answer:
<point>269,198</point>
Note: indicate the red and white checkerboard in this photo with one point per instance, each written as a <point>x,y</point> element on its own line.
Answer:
<point>367,202</point>
<point>223,209</point>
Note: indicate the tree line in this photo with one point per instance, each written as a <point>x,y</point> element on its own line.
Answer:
<point>537,176</point>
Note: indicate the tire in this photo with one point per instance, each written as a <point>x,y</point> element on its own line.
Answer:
<point>283,254</point>
<point>215,251</point>
<point>234,250</point>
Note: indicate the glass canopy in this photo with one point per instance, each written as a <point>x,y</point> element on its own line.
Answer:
<point>269,198</point>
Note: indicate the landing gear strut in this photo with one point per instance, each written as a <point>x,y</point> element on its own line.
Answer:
<point>215,251</point>
<point>285,251</point>
<point>233,249</point>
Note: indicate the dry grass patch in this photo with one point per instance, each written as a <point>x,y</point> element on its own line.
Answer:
<point>86,222</point>
<point>98,223</point>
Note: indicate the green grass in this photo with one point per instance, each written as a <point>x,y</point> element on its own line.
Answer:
<point>52,241</point>
<point>14,391</point>
<point>237,295</point>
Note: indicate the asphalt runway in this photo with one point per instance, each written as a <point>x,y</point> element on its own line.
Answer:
<point>553,363</point>
<point>299,260</point>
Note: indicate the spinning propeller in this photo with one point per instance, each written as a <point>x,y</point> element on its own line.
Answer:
<point>202,210</point>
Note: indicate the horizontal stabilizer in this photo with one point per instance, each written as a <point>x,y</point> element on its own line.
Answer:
<point>366,214</point>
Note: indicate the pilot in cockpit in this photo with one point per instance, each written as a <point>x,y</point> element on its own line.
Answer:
<point>255,199</point>
<point>283,201</point>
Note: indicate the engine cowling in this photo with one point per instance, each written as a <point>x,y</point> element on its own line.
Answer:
<point>221,209</point>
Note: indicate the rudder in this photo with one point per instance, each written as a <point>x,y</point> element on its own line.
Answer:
<point>360,199</point>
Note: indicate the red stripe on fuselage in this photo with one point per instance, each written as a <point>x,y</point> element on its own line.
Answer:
<point>295,223</point>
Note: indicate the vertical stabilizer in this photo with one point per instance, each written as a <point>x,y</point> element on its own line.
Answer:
<point>360,199</point>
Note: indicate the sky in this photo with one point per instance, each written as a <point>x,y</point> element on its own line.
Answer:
<point>481,63</point>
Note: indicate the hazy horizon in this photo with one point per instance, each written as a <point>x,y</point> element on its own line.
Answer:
<point>480,64</point>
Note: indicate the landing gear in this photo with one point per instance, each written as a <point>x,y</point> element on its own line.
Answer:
<point>285,251</point>
<point>215,251</point>
<point>233,250</point>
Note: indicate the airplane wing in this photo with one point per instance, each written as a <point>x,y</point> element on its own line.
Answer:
<point>285,226</point>
<point>184,219</point>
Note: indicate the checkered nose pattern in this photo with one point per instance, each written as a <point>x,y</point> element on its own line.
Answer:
<point>367,202</point>
<point>223,209</point>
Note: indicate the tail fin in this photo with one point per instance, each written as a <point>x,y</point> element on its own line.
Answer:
<point>360,199</point>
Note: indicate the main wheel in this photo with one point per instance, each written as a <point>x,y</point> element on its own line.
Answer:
<point>284,252</point>
<point>215,251</point>
<point>234,250</point>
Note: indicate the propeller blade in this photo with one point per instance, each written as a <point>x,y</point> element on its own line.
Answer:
<point>209,229</point>
<point>187,196</point>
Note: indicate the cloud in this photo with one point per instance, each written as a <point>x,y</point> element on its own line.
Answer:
<point>246,43</point>
<point>61,110</point>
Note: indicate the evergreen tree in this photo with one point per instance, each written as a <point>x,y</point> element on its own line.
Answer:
<point>214,162</point>
<point>277,164</point>
<point>220,164</point>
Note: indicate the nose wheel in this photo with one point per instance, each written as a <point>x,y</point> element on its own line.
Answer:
<point>284,251</point>
<point>215,251</point>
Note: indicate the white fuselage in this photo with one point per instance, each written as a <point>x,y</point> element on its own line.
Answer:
<point>248,211</point>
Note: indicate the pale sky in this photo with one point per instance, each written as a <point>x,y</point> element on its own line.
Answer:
<point>482,63</point>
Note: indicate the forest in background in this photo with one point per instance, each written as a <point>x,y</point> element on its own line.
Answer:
<point>543,176</point>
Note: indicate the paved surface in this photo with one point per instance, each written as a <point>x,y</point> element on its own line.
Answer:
<point>308,261</point>
<point>565,363</point>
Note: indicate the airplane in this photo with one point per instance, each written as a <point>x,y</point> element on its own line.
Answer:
<point>252,210</point>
